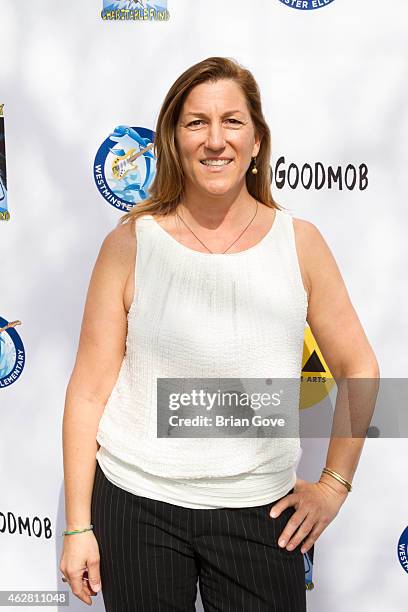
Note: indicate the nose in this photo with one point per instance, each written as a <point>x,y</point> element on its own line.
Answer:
<point>215,136</point>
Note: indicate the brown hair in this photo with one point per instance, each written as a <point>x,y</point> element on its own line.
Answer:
<point>167,187</point>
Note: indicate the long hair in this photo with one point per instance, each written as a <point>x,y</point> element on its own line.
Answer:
<point>167,187</point>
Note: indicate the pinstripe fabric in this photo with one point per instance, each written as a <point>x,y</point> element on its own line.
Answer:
<point>152,553</point>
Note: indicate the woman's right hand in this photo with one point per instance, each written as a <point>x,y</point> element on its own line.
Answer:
<point>81,554</point>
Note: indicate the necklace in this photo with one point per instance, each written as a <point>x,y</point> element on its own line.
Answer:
<point>204,245</point>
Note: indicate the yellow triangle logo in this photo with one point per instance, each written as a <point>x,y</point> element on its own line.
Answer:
<point>316,378</point>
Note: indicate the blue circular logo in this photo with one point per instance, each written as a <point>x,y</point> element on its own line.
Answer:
<point>12,354</point>
<point>125,166</point>
<point>306,5</point>
<point>403,549</point>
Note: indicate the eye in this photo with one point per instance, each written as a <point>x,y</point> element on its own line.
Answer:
<point>197,122</point>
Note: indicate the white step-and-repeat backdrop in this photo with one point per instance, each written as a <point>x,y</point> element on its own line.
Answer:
<point>73,75</point>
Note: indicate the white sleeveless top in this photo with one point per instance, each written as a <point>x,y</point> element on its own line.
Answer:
<point>194,315</point>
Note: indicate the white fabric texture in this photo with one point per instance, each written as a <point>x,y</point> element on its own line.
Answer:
<point>205,315</point>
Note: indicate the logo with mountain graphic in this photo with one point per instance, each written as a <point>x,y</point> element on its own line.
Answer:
<point>135,10</point>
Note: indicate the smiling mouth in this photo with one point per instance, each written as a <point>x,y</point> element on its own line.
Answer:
<point>215,162</point>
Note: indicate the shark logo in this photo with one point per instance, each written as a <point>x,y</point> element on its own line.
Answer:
<point>125,166</point>
<point>136,10</point>
<point>12,354</point>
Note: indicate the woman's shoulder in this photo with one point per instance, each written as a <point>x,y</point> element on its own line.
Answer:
<point>304,229</point>
<point>313,250</point>
<point>119,245</point>
<point>308,237</point>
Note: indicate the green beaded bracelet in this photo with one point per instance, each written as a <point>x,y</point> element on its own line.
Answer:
<point>78,530</point>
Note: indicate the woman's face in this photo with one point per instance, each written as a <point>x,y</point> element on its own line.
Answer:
<point>215,124</point>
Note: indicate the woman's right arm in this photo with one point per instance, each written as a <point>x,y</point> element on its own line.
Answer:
<point>99,357</point>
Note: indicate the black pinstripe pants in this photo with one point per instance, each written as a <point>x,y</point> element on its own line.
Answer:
<point>152,553</point>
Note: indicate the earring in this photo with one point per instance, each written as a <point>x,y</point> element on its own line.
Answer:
<point>254,168</point>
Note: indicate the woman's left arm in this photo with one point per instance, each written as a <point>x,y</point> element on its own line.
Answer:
<point>348,354</point>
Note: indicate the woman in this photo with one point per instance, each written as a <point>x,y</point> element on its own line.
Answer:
<point>207,278</point>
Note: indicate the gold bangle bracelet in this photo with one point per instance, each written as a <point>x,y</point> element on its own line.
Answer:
<point>337,476</point>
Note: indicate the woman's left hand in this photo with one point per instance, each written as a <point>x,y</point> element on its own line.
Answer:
<point>317,504</point>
